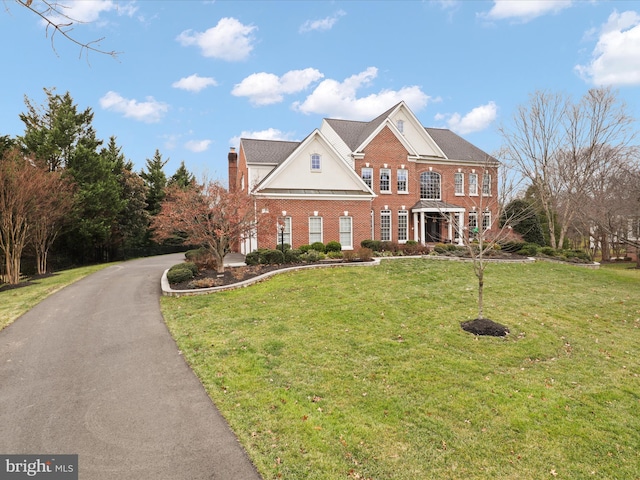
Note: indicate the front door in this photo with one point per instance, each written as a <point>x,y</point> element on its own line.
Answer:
<point>432,228</point>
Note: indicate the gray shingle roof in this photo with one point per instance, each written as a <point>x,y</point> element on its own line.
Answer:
<point>267,151</point>
<point>457,148</point>
<point>353,133</point>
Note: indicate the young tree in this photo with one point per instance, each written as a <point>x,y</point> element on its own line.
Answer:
<point>211,216</point>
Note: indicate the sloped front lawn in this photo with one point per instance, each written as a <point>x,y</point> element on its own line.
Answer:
<point>365,372</point>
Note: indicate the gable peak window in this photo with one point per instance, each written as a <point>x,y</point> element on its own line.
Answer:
<point>316,162</point>
<point>400,125</point>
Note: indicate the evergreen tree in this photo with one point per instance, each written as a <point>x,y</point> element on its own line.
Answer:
<point>156,181</point>
<point>529,225</point>
<point>183,178</point>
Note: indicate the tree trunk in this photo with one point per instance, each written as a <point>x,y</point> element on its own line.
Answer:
<point>604,242</point>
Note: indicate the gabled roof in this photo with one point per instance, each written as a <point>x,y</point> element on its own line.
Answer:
<point>457,148</point>
<point>353,133</point>
<point>272,152</point>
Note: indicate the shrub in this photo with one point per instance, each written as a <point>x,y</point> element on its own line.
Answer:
<point>365,254</point>
<point>440,248</point>
<point>548,251</point>
<point>374,245</point>
<point>191,266</point>
<point>333,246</point>
<point>272,257</point>
<point>388,247</point>
<point>318,247</point>
<point>179,273</point>
<point>202,258</point>
<point>252,258</point>
<point>304,248</point>
<point>191,255</point>
<point>349,255</point>
<point>334,255</point>
<point>577,255</point>
<point>312,256</point>
<point>528,250</point>
<point>512,246</point>
<point>292,256</point>
<point>283,246</point>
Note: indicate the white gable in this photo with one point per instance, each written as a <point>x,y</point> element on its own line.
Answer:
<point>337,142</point>
<point>296,173</point>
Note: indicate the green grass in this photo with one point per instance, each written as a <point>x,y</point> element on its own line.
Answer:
<point>16,301</point>
<point>366,373</point>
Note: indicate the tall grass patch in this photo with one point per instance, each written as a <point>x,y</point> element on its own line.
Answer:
<point>366,373</point>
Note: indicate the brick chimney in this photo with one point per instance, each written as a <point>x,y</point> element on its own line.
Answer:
<point>233,169</point>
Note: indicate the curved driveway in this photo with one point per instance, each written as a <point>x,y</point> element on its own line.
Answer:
<point>93,371</point>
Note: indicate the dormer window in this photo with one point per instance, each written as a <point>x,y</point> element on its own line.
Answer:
<point>316,164</point>
<point>400,125</point>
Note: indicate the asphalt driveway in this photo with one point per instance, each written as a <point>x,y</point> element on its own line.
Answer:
<point>93,371</point>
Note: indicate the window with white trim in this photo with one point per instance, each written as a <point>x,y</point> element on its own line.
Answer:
<point>346,233</point>
<point>486,220</point>
<point>403,226</point>
<point>458,182</point>
<point>400,125</point>
<point>473,221</point>
<point>486,185</point>
<point>385,225</point>
<point>385,180</point>
<point>316,162</point>
<point>367,176</point>
<point>315,229</point>
<point>430,186</point>
<point>284,236</point>
<point>473,184</point>
<point>403,180</point>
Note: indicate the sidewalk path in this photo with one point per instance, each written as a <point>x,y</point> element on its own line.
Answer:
<point>92,370</point>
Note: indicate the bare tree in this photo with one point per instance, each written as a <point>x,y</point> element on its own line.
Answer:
<point>58,21</point>
<point>19,188</point>
<point>561,146</point>
<point>209,215</point>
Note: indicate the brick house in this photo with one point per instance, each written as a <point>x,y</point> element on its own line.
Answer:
<point>389,179</point>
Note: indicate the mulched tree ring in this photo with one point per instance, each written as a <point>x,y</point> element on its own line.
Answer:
<point>484,326</point>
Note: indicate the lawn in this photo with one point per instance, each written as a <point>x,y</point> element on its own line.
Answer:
<point>16,301</point>
<point>362,373</point>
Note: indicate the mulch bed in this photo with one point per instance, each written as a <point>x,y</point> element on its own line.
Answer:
<point>484,326</point>
<point>231,275</point>
<point>24,283</point>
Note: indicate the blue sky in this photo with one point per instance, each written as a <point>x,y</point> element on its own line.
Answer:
<point>195,76</point>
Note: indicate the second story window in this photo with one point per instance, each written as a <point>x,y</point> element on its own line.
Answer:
<point>486,185</point>
<point>316,163</point>
<point>473,184</point>
<point>367,176</point>
<point>458,180</point>
<point>430,186</point>
<point>403,176</point>
<point>385,180</point>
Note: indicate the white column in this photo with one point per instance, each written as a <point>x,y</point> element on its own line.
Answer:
<point>422,228</point>
<point>459,228</point>
<point>416,231</point>
<point>450,227</point>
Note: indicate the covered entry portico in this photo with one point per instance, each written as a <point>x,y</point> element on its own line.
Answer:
<point>435,221</point>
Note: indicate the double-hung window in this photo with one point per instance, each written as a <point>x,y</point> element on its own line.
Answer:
<point>385,225</point>
<point>315,229</point>
<point>486,185</point>
<point>284,234</point>
<point>385,180</point>
<point>458,182</point>
<point>473,184</point>
<point>367,176</point>
<point>473,222</point>
<point>403,183</point>
<point>486,220</point>
<point>346,232</point>
<point>403,226</point>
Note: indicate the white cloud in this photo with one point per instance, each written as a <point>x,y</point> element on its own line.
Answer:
<point>194,83</point>
<point>197,146</point>
<point>229,40</point>
<point>149,111</point>
<point>268,134</point>
<point>323,24</point>
<point>524,10</point>
<point>85,12</point>
<point>616,58</point>
<point>340,100</point>
<point>266,88</point>
<point>476,120</point>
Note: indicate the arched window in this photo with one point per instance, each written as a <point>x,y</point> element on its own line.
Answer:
<point>429,186</point>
